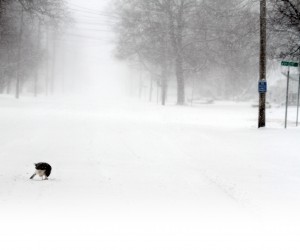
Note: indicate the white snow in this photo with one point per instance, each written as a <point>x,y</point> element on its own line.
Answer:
<point>131,175</point>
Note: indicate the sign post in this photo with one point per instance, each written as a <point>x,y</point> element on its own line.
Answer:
<point>289,64</point>
<point>287,97</point>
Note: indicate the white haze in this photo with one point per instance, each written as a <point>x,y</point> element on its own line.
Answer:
<point>88,46</point>
<point>133,175</point>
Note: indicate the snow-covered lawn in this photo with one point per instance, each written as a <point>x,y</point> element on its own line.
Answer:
<point>131,175</point>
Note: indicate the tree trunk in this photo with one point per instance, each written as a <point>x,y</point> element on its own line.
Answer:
<point>176,39</point>
<point>164,85</point>
<point>151,88</point>
<point>180,80</point>
<point>8,86</point>
<point>2,85</point>
<point>9,76</point>
<point>164,73</point>
<point>140,81</point>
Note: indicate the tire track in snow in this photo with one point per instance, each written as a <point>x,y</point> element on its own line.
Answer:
<point>231,190</point>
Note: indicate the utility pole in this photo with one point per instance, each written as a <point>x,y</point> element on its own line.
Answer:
<point>53,61</point>
<point>298,100</point>
<point>1,14</point>
<point>19,54</point>
<point>262,62</point>
<point>63,72</point>
<point>38,50</point>
<point>47,61</point>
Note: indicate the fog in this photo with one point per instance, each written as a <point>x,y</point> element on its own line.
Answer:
<point>137,121</point>
<point>86,48</point>
<point>208,52</point>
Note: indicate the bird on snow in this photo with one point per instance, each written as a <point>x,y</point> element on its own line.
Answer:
<point>42,169</point>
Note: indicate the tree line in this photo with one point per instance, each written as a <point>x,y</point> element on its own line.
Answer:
<point>27,27</point>
<point>209,45</point>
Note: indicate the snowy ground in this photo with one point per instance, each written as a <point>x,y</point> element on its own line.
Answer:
<point>140,176</point>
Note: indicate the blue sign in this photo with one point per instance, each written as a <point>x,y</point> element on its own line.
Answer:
<point>262,86</point>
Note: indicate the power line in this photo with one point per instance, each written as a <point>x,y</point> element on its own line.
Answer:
<point>85,9</point>
<point>76,40</point>
<point>95,13</point>
<point>83,36</point>
<point>90,29</point>
<point>94,24</point>
<point>94,20</point>
<point>87,15</point>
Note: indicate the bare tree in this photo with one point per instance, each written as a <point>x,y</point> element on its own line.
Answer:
<point>143,37</point>
<point>284,21</point>
<point>232,31</point>
<point>159,33</point>
<point>196,37</point>
<point>21,33</point>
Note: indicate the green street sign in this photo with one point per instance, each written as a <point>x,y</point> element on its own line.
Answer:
<point>289,64</point>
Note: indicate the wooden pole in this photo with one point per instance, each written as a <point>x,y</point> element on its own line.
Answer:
<point>262,62</point>
<point>298,100</point>
<point>53,62</point>
<point>47,61</point>
<point>19,55</point>
<point>38,50</point>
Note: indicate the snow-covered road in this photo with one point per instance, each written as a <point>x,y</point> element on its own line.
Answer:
<point>147,177</point>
